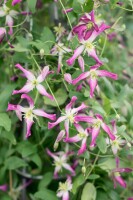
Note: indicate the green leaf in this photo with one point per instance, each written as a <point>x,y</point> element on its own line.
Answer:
<point>82,6</point>
<point>48,37</point>
<point>93,176</point>
<point>9,136</point>
<point>32,5</point>
<point>101,143</point>
<point>89,192</point>
<point>45,194</point>
<point>88,6</point>
<point>14,162</point>
<point>5,121</point>
<point>26,148</point>
<point>47,178</point>
<point>79,180</point>
<point>61,97</point>
<point>36,159</point>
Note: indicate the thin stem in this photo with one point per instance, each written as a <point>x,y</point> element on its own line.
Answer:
<point>104,45</point>
<point>10,180</point>
<point>66,14</point>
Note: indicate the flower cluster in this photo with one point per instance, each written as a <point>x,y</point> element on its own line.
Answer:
<point>77,122</point>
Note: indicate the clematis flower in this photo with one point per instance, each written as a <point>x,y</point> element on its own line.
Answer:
<point>29,113</point>
<point>97,123</point>
<point>86,26</point>
<point>14,2</point>
<point>60,161</point>
<point>34,82</point>
<point>2,33</point>
<point>3,187</point>
<point>118,142</point>
<point>81,136</point>
<point>59,49</point>
<point>64,189</point>
<point>69,116</point>
<point>9,14</point>
<point>91,77</point>
<point>88,46</point>
<point>116,175</point>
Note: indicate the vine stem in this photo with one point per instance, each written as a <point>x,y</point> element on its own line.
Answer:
<point>66,14</point>
<point>93,165</point>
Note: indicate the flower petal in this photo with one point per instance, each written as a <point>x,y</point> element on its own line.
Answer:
<point>60,119</point>
<point>2,13</point>
<point>72,139</point>
<point>27,88</point>
<point>104,73</point>
<point>108,131</point>
<point>29,124</point>
<point>41,113</point>
<point>69,168</point>
<point>51,154</point>
<point>14,2</point>
<point>93,84</point>
<point>60,136</point>
<point>83,147</point>
<point>92,53</point>
<point>42,91</point>
<point>77,53</point>
<point>120,181</point>
<point>68,78</point>
<point>9,22</point>
<point>82,76</point>
<point>43,74</point>
<point>65,196</point>
<point>67,128</point>
<point>81,63</point>
<point>27,73</point>
<point>69,106</point>
<point>75,110</point>
<point>29,99</point>
<point>83,118</point>
<point>95,132</point>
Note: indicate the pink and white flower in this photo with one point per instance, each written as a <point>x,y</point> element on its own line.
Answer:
<point>81,136</point>
<point>59,49</point>
<point>60,161</point>
<point>97,123</point>
<point>29,113</point>
<point>34,82</point>
<point>116,175</point>
<point>69,117</point>
<point>14,2</point>
<point>2,33</point>
<point>86,26</point>
<point>91,77</point>
<point>9,14</point>
<point>118,142</point>
<point>64,189</point>
<point>88,46</point>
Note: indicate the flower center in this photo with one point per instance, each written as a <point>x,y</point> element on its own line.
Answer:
<point>82,135</point>
<point>35,82</point>
<point>71,118</point>
<point>93,74</point>
<point>59,162</point>
<point>97,124</point>
<point>29,114</point>
<point>117,174</point>
<point>65,186</point>
<point>89,25</point>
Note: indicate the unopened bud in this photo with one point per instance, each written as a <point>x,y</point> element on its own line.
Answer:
<point>129,145</point>
<point>117,116</point>
<point>83,170</point>
<point>56,144</point>
<point>30,36</point>
<point>42,53</point>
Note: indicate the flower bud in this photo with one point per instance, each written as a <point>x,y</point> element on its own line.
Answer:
<point>56,144</point>
<point>83,170</point>
<point>129,145</point>
<point>42,53</point>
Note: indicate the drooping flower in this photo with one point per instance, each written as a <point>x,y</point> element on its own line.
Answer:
<point>29,113</point>
<point>14,2</point>
<point>86,26</point>
<point>91,77</point>
<point>97,123</point>
<point>118,142</point>
<point>2,33</point>
<point>69,116</point>
<point>88,46</point>
<point>59,49</point>
<point>116,175</point>
<point>9,14</point>
<point>3,187</point>
<point>67,10</point>
<point>60,161</point>
<point>64,189</point>
<point>81,136</point>
<point>34,82</point>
